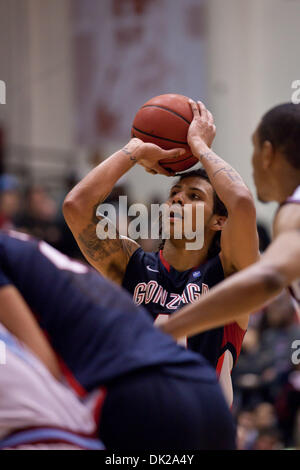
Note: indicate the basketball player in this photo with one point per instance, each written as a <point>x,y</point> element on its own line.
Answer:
<point>167,280</point>
<point>276,171</point>
<point>158,395</point>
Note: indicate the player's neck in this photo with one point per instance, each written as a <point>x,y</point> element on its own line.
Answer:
<point>287,185</point>
<point>182,259</point>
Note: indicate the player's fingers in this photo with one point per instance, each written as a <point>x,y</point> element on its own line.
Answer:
<point>195,108</point>
<point>163,171</point>
<point>178,152</point>
<point>210,118</point>
<point>203,110</point>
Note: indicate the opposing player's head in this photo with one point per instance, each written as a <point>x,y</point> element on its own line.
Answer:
<point>276,153</point>
<point>194,188</point>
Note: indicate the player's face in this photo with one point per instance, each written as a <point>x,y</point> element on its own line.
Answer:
<point>260,173</point>
<point>184,199</point>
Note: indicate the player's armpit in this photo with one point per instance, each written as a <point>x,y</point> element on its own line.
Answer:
<point>17,318</point>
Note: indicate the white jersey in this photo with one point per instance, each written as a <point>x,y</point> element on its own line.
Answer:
<point>36,410</point>
<point>295,286</point>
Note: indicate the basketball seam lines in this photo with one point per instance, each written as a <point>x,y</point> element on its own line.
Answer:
<point>177,161</point>
<point>166,109</point>
<point>157,137</point>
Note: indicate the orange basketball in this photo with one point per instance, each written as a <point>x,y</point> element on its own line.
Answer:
<point>164,121</point>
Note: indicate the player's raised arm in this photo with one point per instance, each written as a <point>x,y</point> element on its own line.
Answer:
<point>109,256</point>
<point>239,238</point>
<point>247,291</point>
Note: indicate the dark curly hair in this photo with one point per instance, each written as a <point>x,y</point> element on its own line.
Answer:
<point>219,208</point>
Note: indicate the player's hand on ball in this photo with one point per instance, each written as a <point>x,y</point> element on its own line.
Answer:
<point>202,128</point>
<point>148,155</point>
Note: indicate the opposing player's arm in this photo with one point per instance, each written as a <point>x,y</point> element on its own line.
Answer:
<point>239,239</point>
<point>248,290</point>
<point>19,320</point>
<point>109,256</point>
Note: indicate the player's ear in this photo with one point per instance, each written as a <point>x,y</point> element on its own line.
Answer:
<point>218,222</point>
<point>267,154</point>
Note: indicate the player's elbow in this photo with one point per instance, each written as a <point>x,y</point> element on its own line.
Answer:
<point>243,204</point>
<point>272,279</point>
<point>71,209</point>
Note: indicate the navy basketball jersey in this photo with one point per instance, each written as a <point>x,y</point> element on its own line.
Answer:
<point>162,290</point>
<point>92,324</point>
<point>295,286</point>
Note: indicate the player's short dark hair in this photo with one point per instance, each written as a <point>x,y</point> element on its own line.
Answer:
<point>219,208</point>
<point>281,127</point>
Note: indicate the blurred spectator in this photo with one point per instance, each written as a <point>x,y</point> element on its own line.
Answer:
<point>246,431</point>
<point>268,439</point>
<point>39,216</point>
<point>266,352</point>
<point>266,380</point>
<point>257,429</point>
<point>288,407</point>
<point>265,417</point>
<point>248,374</point>
<point>9,201</point>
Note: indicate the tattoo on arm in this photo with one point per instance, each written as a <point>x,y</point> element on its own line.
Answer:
<point>231,173</point>
<point>127,152</point>
<point>106,252</point>
<point>95,248</point>
<point>210,157</point>
<point>228,170</point>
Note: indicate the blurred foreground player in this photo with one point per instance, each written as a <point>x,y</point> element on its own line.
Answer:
<point>276,171</point>
<point>176,275</point>
<point>158,394</point>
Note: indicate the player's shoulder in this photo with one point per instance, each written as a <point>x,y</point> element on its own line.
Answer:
<point>138,266</point>
<point>15,239</point>
<point>287,218</point>
<point>15,235</point>
<point>144,257</point>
